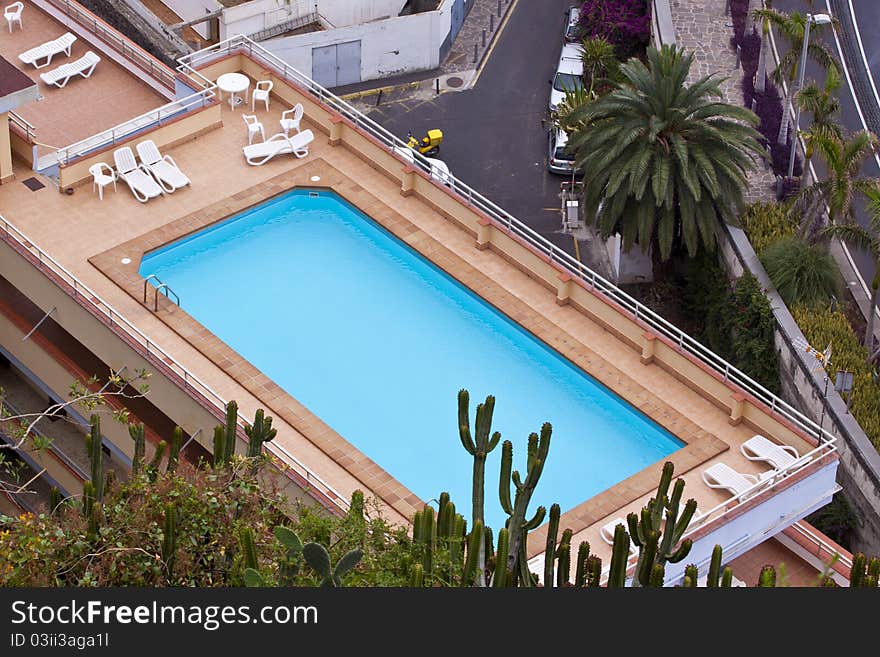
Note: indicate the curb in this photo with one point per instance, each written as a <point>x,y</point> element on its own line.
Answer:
<point>490,44</point>
<point>386,89</point>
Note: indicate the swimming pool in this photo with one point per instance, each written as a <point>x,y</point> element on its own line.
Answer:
<point>377,341</point>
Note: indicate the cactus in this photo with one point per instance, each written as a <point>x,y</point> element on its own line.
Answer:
<point>137,434</point>
<point>517,525</point>
<point>563,570</point>
<point>619,556</point>
<point>230,429</point>
<point>580,575</point>
<point>153,466</point>
<point>88,499</point>
<point>417,576</point>
<point>109,481</point>
<point>767,577</point>
<point>691,575</point>
<point>96,456</point>
<point>219,446</point>
<point>550,545</point>
<point>857,571</point>
<point>425,537</point>
<point>645,527</point>
<point>259,433</point>
<point>475,543</point>
<point>593,571</point>
<point>174,449</point>
<point>318,558</point>
<point>55,499</point>
<point>874,569</point>
<point>248,547</point>
<point>658,575</point>
<point>501,574</point>
<point>288,568</point>
<point>96,515</point>
<point>726,578</point>
<point>479,445</point>
<point>169,538</point>
<point>714,568</point>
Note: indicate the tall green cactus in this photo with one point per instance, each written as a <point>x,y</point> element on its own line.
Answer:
<point>417,576</point>
<point>874,569</point>
<point>563,569</point>
<point>691,576</point>
<point>219,446</point>
<point>55,499</point>
<point>318,558</point>
<point>475,547</point>
<point>619,557</point>
<point>259,433</point>
<point>152,468</point>
<point>230,431</point>
<point>174,449</point>
<point>88,499</point>
<point>658,575</point>
<point>501,575</point>
<point>288,567</point>
<point>550,545</point>
<point>248,548</point>
<point>580,575</point>
<point>138,435</point>
<point>767,577</point>
<point>714,569</point>
<point>96,456</point>
<point>726,578</point>
<point>478,446</point>
<point>593,571</point>
<point>517,525</point>
<point>657,545</point>
<point>858,570</point>
<point>169,539</point>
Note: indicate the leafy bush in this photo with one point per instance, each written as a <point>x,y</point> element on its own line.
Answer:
<point>752,327</point>
<point>707,298</point>
<point>764,223</point>
<point>802,273</point>
<point>626,24</point>
<point>821,327</point>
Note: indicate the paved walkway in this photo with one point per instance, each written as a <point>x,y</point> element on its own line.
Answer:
<point>702,28</point>
<point>484,15</point>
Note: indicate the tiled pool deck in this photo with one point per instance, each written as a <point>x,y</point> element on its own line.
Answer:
<point>90,238</point>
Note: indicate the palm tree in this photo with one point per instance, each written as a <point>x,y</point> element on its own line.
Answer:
<point>792,27</point>
<point>868,239</point>
<point>662,158</point>
<point>823,106</point>
<point>843,158</point>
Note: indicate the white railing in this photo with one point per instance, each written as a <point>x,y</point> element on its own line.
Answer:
<point>289,464</point>
<point>23,126</point>
<point>822,546</point>
<point>514,226</point>
<point>124,130</point>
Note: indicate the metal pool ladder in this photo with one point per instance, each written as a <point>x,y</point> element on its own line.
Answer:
<point>164,287</point>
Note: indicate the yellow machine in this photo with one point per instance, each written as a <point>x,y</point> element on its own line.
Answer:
<point>428,145</point>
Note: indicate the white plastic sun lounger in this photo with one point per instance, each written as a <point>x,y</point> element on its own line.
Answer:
<point>607,532</point>
<point>759,448</point>
<point>136,176</point>
<point>84,66</point>
<point>278,144</point>
<point>48,50</point>
<point>723,476</point>
<point>164,169</point>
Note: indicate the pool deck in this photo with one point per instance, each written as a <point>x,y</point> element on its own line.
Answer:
<point>90,237</point>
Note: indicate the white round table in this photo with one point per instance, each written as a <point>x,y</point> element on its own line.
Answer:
<point>234,84</point>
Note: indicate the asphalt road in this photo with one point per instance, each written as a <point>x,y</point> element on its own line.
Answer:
<point>493,137</point>
<point>867,13</point>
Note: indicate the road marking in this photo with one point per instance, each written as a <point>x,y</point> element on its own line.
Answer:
<point>495,40</point>
<point>855,22</point>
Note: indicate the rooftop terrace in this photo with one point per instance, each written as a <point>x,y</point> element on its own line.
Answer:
<point>677,383</point>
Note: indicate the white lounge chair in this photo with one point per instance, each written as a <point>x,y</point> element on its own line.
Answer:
<point>163,168</point>
<point>721,475</point>
<point>290,119</point>
<point>759,448</point>
<point>12,14</point>
<point>48,50</point>
<point>278,144</point>
<point>137,176</point>
<point>84,67</point>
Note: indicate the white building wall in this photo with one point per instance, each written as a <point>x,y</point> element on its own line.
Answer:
<point>416,38</point>
<point>342,13</point>
<point>192,9</point>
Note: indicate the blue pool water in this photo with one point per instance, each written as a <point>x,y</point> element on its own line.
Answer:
<point>377,341</point>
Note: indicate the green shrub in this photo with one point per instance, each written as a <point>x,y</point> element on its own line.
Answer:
<point>706,299</point>
<point>765,223</point>
<point>752,326</point>
<point>802,273</point>
<point>821,326</point>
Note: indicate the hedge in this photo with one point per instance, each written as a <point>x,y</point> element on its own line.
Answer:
<point>765,223</point>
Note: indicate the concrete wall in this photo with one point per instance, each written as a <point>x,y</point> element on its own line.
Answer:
<point>6,174</point>
<point>191,9</point>
<point>804,388</point>
<point>342,13</point>
<point>416,39</point>
<point>662,27</point>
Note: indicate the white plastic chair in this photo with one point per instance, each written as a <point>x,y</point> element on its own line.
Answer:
<point>12,14</point>
<point>103,175</point>
<point>253,127</point>
<point>291,118</point>
<point>261,92</point>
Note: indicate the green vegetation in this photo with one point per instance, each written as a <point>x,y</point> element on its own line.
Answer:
<point>663,159</point>
<point>802,273</point>
<point>764,223</point>
<point>821,326</point>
